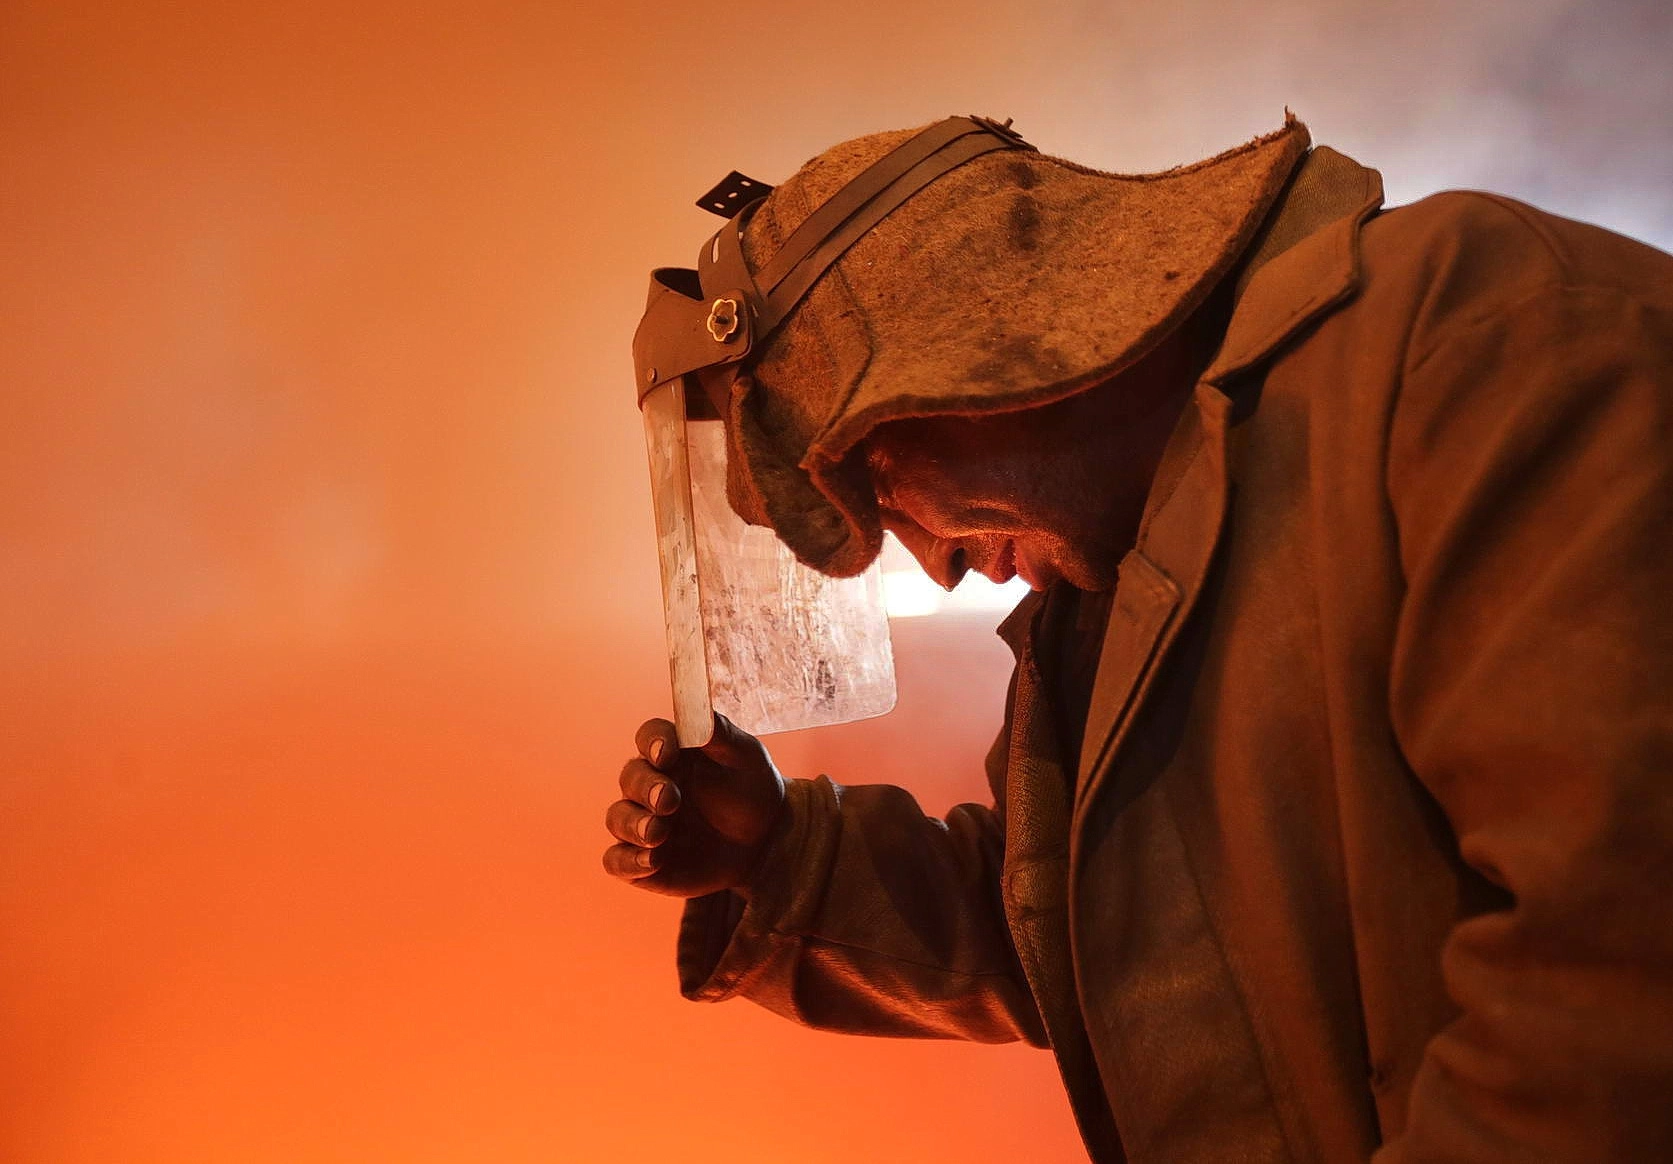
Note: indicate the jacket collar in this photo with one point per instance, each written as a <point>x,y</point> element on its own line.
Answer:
<point>1019,624</point>
<point>1304,262</point>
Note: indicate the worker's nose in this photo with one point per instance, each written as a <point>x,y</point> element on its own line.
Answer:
<point>950,564</point>
<point>943,560</point>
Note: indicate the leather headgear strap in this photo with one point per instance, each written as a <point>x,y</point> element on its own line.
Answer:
<point>713,317</point>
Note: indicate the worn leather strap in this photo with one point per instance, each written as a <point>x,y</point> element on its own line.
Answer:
<point>673,338</point>
<point>790,289</point>
<point>839,207</point>
<point>838,222</point>
<point>721,267</point>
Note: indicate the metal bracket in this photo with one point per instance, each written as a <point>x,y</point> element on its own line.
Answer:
<point>1001,129</point>
<point>732,193</point>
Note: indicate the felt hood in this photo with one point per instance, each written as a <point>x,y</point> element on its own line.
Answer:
<point>1013,280</point>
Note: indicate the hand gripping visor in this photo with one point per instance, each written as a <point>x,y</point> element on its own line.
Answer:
<point>752,633</point>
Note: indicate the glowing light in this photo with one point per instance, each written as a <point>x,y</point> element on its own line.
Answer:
<point>910,593</point>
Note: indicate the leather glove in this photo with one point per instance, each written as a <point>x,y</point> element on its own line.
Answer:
<point>693,821</point>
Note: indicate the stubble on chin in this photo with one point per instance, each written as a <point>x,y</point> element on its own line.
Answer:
<point>1077,566</point>
<point>1093,562</point>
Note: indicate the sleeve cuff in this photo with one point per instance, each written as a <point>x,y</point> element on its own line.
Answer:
<point>724,940</point>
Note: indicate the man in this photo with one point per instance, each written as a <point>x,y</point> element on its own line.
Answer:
<point>1332,812</point>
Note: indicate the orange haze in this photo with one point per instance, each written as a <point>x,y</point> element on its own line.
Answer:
<point>328,598</point>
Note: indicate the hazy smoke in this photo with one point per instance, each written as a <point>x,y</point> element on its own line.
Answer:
<point>1596,89</point>
<point>1564,103</point>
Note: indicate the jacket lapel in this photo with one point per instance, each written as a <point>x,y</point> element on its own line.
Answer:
<point>1160,580</point>
<point>1316,234</point>
<point>1035,882</point>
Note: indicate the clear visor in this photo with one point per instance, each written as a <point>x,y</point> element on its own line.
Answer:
<point>752,633</point>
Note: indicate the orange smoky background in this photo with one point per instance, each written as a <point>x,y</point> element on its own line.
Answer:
<point>328,591</point>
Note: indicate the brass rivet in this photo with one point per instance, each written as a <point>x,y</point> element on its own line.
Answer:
<point>723,319</point>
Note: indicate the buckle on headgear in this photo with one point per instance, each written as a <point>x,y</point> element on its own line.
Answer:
<point>723,319</point>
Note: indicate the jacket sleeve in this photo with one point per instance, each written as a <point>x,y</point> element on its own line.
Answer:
<point>1532,693</point>
<point>869,917</point>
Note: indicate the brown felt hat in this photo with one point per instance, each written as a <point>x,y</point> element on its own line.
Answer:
<point>1013,280</point>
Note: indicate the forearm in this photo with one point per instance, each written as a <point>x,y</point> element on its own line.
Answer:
<point>868,916</point>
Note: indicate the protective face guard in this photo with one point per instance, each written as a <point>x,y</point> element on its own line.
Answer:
<point>752,633</point>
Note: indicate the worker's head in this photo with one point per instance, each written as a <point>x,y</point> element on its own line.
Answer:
<point>1046,493</point>
<point>969,363</point>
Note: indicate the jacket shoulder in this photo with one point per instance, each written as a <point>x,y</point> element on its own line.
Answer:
<point>1464,253</point>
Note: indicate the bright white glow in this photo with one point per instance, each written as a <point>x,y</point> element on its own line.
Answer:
<point>976,593</point>
<point>910,593</point>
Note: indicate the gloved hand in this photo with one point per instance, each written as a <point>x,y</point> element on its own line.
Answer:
<point>693,820</point>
